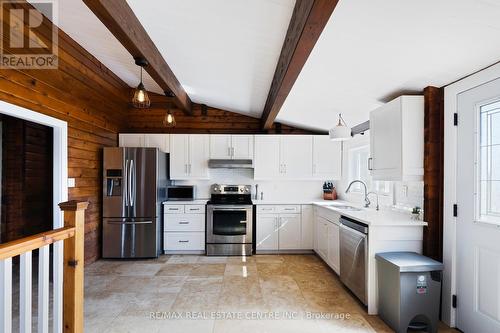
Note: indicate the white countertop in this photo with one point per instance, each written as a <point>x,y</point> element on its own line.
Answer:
<point>372,217</point>
<point>187,202</point>
<point>290,202</point>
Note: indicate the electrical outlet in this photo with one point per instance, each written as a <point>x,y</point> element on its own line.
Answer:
<point>71,182</point>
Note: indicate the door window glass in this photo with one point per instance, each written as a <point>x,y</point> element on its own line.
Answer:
<point>488,168</point>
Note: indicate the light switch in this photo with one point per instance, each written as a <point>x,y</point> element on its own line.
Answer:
<point>71,182</point>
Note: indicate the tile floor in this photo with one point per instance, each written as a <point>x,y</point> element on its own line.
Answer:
<point>277,293</point>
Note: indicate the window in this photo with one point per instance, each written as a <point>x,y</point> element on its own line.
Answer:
<point>358,169</point>
<point>488,166</point>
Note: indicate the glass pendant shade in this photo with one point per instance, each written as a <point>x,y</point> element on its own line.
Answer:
<point>141,99</point>
<point>341,132</point>
<point>169,119</point>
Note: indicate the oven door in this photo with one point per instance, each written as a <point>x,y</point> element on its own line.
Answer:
<point>229,224</point>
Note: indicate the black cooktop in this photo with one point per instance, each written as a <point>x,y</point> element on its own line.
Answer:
<point>233,199</point>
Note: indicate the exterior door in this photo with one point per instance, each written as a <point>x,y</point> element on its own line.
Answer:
<point>478,200</point>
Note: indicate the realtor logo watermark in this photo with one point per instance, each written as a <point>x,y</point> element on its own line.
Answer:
<point>29,35</point>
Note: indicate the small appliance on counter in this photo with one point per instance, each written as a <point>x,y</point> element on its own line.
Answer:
<point>329,191</point>
<point>180,193</point>
<point>230,223</point>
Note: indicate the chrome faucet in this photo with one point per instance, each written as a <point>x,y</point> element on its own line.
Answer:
<point>367,201</point>
<point>378,208</point>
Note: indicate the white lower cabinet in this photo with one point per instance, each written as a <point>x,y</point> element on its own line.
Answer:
<point>184,228</point>
<point>280,227</point>
<point>327,236</point>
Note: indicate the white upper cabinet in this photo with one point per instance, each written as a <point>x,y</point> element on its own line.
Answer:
<point>242,146</point>
<point>283,157</point>
<point>189,155</point>
<point>327,158</point>
<point>267,162</point>
<point>231,146</point>
<point>160,141</point>
<point>397,140</point>
<point>220,146</point>
<point>131,140</point>
<point>296,156</point>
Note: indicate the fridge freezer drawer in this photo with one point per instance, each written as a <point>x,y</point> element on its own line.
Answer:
<point>129,238</point>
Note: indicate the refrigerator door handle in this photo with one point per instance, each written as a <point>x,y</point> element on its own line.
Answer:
<point>130,181</point>
<point>126,182</point>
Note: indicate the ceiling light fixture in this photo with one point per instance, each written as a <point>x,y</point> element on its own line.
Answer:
<point>341,132</point>
<point>141,99</point>
<point>169,119</point>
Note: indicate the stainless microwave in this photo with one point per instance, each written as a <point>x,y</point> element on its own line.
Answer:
<point>180,192</point>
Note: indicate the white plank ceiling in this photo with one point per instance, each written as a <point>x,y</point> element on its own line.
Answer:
<point>224,52</point>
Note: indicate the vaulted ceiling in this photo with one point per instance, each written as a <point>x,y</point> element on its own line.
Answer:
<point>225,52</point>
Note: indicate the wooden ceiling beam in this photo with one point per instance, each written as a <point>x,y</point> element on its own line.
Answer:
<point>308,21</point>
<point>119,18</point>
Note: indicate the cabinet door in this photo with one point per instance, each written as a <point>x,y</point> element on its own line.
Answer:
<point>220,146</point>
<point>198,156</point>
<point>385,140</point>
<point>327,158</point>
<point>179,147</point>
<point>322,236</point>
<point>296,156</point>
<point>267,157</point>
<point>131,140</point>
<point>242,147</point>
<point>334,247</point>
<point>289,232</point>
<point>160,141</point>
<point>307,228</point>
<point>267,232</point>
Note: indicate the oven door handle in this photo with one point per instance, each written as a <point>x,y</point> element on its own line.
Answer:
<point>231,209</point>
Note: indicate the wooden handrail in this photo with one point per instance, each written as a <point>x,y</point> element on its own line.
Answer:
<point>23,245</point>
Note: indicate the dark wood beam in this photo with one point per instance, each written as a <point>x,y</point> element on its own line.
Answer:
<point>433,172</point>
<point>308,20</point>
<point>119,18</point>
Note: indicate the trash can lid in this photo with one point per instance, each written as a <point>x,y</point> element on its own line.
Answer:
<point>410,261</point>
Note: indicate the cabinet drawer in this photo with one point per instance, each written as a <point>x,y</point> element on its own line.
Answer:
<point>266,209</point>
<point>288,209</point>
<point>187,241</point>
<point>174,209</point>
<point>184,222</point>
<point>200,209</point>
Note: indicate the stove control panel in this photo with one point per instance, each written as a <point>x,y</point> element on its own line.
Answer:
<point>230,189</point>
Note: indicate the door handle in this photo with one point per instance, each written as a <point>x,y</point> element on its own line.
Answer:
<point>125,222</point>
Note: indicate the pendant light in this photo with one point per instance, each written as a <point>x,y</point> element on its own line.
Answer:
<point>341,132</point>
<point>169,119</point>
<point>141,99</point>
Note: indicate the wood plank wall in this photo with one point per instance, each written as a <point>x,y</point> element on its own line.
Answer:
<point>93,100</point>
<point>203,120</point>
<point>433,172</point>
<point>27,168</point>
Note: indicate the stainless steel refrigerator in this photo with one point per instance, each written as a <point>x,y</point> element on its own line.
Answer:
<point>133,191</point>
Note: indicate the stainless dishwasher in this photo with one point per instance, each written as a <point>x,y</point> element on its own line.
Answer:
<point>354,256</point>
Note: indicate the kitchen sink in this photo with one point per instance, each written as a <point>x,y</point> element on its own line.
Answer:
<point>345,207</point>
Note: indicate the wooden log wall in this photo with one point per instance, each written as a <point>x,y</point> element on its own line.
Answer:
<point>204,120</point>
<point>91,99</point>
<point>433,172</point>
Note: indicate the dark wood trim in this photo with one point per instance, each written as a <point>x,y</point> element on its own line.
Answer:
<point>119,18</point>
<point>433,172</point>
<point>308,21</point>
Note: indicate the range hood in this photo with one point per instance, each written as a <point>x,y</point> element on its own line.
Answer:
<point>230,164</point>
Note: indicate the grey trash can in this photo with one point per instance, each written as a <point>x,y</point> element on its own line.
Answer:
<point>409,290</point>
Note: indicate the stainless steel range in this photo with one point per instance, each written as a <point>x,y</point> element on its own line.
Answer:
<point>229,221</point>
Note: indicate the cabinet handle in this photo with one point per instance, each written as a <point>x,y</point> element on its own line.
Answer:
<point>284,168</point>
<point>183,222</point>
<point>183,241</point>
<point>370,162</point>
<point>173,209</point>
<point>189,168</point>
<point>232,151</point>
<point>289,208</point>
